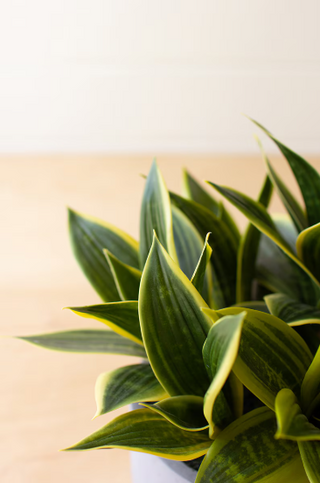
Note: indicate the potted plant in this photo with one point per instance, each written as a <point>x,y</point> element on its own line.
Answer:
<point>225,326</point>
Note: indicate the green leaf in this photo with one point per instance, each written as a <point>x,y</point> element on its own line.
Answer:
<point>148,432</point>
<point>280,273</point>
<point>311,385</point>
<point>224,249</point>
<point>87,341</point>
<point>248,250</point>
<point>255,305</point>
<point>173,326</point>
<point>259,217</point>
<point>271,355</point>
<point>307,178</point>
<point>292,424</point>
<point>189,246</point>
<point>310,455</point>
<point>192,190</point>
<point>126,278</point>
<point>121,317</point>
<point>308,249</point>
<point>246,452</point>
<point>291,204</point>
<point>185,412</point>
<point>198,277</point>
<point>292,311</point>
<point>219,354</point>
<point>126,385</point>
<point>88,238</point>
<point>155,215</point>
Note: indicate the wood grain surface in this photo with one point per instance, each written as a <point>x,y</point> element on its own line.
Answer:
<point>47,398</point>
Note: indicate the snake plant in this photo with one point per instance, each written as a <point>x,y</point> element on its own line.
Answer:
<point>225,327</point>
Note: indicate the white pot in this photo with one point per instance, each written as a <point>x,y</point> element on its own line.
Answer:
<point>147,468</point>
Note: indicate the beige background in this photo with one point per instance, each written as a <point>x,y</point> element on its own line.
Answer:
<point>47,398</point>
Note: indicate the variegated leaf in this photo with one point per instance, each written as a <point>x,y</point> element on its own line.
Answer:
<point>88,238</point>
<point>186,412</point>
<point>121,317</point>
<point>246,452</point>
<point>87,341</point>
<point>262,335</point>
<point>173,326</point>
<point>292,424</point>
<point>126,278</point>
<point>126,385</point>
<point>149,433</point>
<point>155,215</point>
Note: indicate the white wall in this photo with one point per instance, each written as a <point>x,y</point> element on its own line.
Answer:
<point>156,76</point>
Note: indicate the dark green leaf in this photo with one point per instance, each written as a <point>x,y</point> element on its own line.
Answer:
<point>224,249</point>
<point>292,311</point>
<point>310,455</point>
<point>186,412</point>
<point>173,325</point>
<point>219,354</point>
<point>307,178</point>
<point>246,452</point>
<point>87,341</point>
<point>147,431</point>
<point>248,250</point>
<point>189,246</point>
<point>271,355</point>
<point>292,424</point>
<point>291,204</point>
<point>155,215</point>
<point>126,385</point>
<point>126,278</point>
<point>122,317</point>
<point>198,277</point>
<point>308,249</point>
<point>88,238</point>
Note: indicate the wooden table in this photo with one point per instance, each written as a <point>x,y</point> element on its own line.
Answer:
<point>47,398</point>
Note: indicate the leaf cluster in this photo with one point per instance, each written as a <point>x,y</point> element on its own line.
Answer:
<point>225,326</point>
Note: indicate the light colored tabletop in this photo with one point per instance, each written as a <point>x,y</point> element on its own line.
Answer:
<point>47,398</point>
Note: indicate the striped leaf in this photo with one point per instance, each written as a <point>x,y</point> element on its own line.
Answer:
<point>292,424</point>
<point>189,246</point>
<point>248,250</point>
<point>254,305</point>
<point>292,311</point>
<point>199,274</point>
<point>192,190</point>
<point>308,249</point>
<point>185,412</point>
<point>224,249</point>
<point>271,356</point>
<point>259,217</point>
<point>149,433</point>
<point>88,238</point>
<point>155,215</point>
<point>173,326</point>
<point>246,452</point>
<point>87,341</point>
<point>289,201</point>
<point>311,385</point>
<point>307,178</point>
<point>126,385</point>
<point>219,354</point>
<point>121,317</point>
<point>126,278</point>
<point>280,273</point>
<point>310,455</point>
